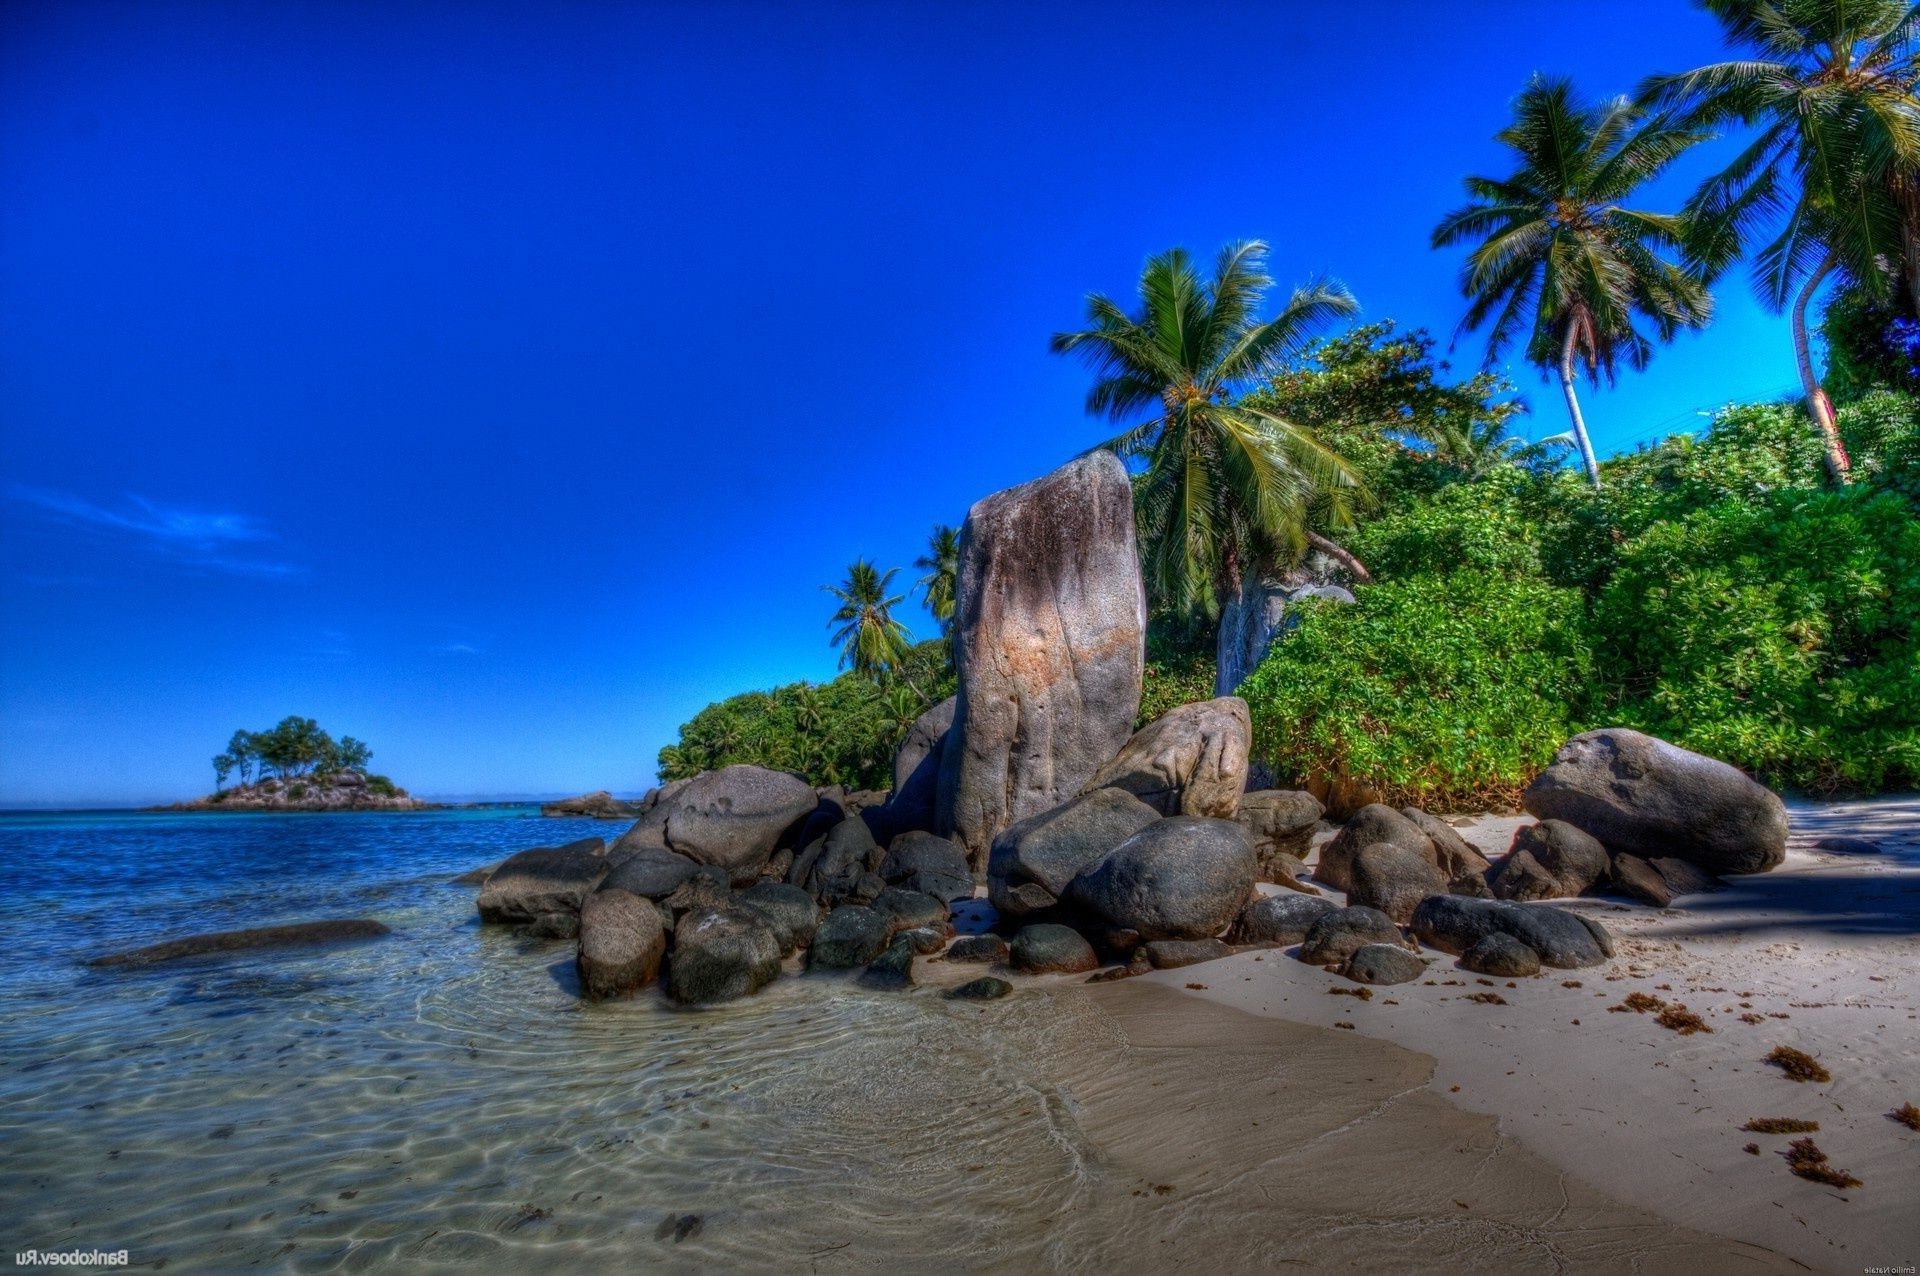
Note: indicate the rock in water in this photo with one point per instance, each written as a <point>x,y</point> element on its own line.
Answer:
<point>621,942</point>
<point>892,968</point>
<point>852,935</point>
<point>720,954</point>
<point>543,880</point>
<point>733,818</point>
<point>916,770</point>
<point>1049,642</point>
<point>1047,949</point>
<point>1562,939</point>
<point>1189,761</point>
<point>985,988</point>
<point>1370,824</point>
<point>1642,795</point>
<point>601,805</point>
<point>1278,919</point>
<point>1033,861</point>
<point>650,872</point>
<point>1179,878</point>
<point>296,935</point>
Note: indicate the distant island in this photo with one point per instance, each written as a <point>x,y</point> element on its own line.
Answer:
<point>296,766</point>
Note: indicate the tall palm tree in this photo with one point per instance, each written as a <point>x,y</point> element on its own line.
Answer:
<point>1832,178</point>
<point>941,563</point>
<point>1557,256</point>
<point>1229,485</point>
<point>870,640</point>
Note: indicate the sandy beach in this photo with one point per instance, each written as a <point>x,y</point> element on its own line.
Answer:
<point>1822,954</point>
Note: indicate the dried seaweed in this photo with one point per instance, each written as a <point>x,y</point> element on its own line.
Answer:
<point>1798,1065</point>
<point>1809,1162</point>
<point>1781,1125</point>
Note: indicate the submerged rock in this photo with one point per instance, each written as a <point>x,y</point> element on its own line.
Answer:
<point>259,938</point>
<point>1049,642</point>
<point>622,940</point>
<point>548,879</point>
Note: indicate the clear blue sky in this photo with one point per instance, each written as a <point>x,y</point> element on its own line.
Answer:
<point>499,383</point>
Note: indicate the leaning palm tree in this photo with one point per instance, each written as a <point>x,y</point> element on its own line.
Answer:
<point>1558,257</point>
<point>870,640</point>
<point>1229,486</point>
<point>1831,180</point>
<point>941,563</point>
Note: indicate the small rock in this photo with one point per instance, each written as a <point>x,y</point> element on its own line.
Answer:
<point>891,969</point>
<point>1045,948</point>
<point>852,935</point>
<point>978,948</point>
<point>1337,935</point>
<point>1171,954</point>
<point>1278,919</point>
<point>1382,964</point>
<point>985,988</point>
<point>1501,956</point>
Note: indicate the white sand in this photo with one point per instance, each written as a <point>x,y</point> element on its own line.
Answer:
<point>1826,949</point>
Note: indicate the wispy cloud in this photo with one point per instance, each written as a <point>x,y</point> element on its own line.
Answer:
<point>227,543</point>
<point>456,649</point>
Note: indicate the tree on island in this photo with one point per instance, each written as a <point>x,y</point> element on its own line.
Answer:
<point>1833,177</point>
<point>1558,257</point>
<point>1230,486</point>
<point>294,748</point>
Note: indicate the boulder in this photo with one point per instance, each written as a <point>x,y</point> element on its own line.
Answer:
<point>1047,949</point>
<point>1171,954</point>
<point>1644,796</point>
<point>1370,824</point>
<point>1501,956</point>
<point>1278,919</point>
<point>650,829</point>
<point>1189,761</point>
<point>708,888</point>
<point>1464,867</point>
<point>932,865</point>
<point>985,988</point>
<point>1550,860</point>
<point>1683,878</point>
<point>1049,643</point>
<point>906,910</point>
<point>926,941</point>
<point>832,867</point>
<point>1337,935</point>
<point>597,806</point>
<point>555,926</point>
<point>1034,860</point>
<point>650,872</point>
<point>789,911</point>
<point>1281,823</point>
<point>542,880</point>
<point>916,769</point>
<point>1562,939</point>
<point>1637,878</point>
<point>720,954</point>
<point>1264,609</point>
<point>1183,877</point>
<point>892,968</point>
<point>260,938</point>
<point>978,948</point>
<point>852,935</point>
<point>1382,964</point>
<point>1392,879</point>
<point>734,818</point>
<point>621,943</point>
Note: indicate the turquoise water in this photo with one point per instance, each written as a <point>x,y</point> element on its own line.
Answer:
<point>441,1096</point>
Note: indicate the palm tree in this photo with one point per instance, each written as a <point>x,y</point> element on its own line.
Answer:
<point>941,562</point>
<point>1832,176</point>
<point>1229,486</point>
<point>1557,255</point>
<point>870,640</point>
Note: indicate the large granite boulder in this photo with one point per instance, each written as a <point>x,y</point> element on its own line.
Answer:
<point>911,910</point>
<point>650,872</point>
<point>1183,877</point>
<point>1550,860</point>
<point>789,911</point>
<point>931,865</point>
<point>1281,823</point>
<point>1370,824</point>
<point>1048,949</point>
<point>1562,939</point>
<point>1034,860</point>
<point>650,829</point>
<point>1278,919</point>
<point>1264,609</point>
<point>916,769</point>
<point>735,817</point>
<point>1464,867</point>
<point>621,942</point>
<point>1189,761</point>
<point>547,879</point>
<point>1642,795</point>
<point>1049,642</point>
<point>1392,879</point>
<point>720,954</point>
<point>852,935</point>
<point>832,868</point>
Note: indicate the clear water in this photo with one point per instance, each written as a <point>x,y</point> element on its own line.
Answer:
<point>442,1097</point>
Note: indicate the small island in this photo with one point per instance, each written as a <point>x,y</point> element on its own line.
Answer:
<point>297,766</point>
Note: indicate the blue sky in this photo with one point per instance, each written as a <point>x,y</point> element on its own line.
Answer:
<point>499,383</point>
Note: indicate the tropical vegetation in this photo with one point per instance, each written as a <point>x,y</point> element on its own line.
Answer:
<point>292,749</point>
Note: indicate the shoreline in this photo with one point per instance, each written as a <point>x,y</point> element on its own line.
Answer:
<point>1823,951</point>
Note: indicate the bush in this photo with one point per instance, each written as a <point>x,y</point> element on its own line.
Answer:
<point>381,786</point>
<point>1443,691</point>
<point>1777,634</point>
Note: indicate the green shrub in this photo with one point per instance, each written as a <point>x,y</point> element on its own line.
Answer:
<point>1445,691</point>
<point>1778,634</point>
<point>381,786</point>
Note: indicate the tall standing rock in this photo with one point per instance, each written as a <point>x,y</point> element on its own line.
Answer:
<point>1264,610</point>
<point>916,770</point>
<point>1049,642</point>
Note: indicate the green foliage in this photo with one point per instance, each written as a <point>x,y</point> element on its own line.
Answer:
<point>870,640</point>
<point>1445,691</point>
<point>1872,344</point>
<point>941,563</point>
<point>295,746</point>
<point>1180,663</point>
<point>1779,633</point>
<point>381,786</point>
<point>841,732</point>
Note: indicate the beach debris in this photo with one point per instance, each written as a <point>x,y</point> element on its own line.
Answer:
<point>1906,1114</point>
<point>1798,1065</point>
<point>1364,994</point>
<point>1486,998</point>
<point>1639,1003</point>
<point>1678,1018</point>
<point>1752,1149</point>
<point>1809,1162</point>
<point>1781,1125</point>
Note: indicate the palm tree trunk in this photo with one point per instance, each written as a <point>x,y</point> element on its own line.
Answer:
<point>1817,402</point>
<point>1580,438</point>
<point>1342,555</point>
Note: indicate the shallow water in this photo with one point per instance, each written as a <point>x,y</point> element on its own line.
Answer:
<point>441,1095</point>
